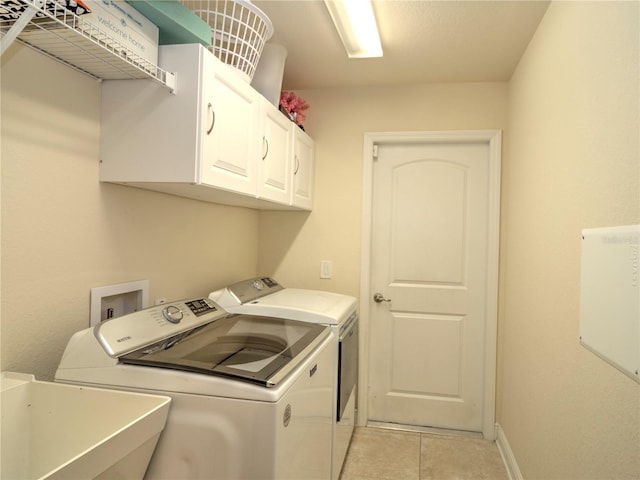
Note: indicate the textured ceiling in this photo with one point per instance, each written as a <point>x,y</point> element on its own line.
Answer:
<point>424,41</point>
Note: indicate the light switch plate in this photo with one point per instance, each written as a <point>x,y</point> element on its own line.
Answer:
<point>326,269</point>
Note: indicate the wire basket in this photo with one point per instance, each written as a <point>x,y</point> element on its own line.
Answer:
<point>239,31</point>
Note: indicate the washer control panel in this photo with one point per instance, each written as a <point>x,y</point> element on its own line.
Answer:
<point>201,306</point>
<point>121,335</point>
<point>172,314</point>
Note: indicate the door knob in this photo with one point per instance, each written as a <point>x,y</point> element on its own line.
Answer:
<point>378,298</point>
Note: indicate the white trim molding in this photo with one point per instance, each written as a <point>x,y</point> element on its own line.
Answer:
<point>508,458</point>
<point>494,139</point>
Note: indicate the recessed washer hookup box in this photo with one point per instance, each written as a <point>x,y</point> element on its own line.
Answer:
<point>125,25</point>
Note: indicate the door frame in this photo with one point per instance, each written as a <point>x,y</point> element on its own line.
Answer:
<point>494,140</point>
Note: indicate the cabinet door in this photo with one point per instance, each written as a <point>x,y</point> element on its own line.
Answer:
<point>275,155</point>
<point>303,156</point>
<point>230,110</point>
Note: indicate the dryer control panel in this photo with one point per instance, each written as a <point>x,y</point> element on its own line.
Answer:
<point>245,291</point>
<point>125,334</point>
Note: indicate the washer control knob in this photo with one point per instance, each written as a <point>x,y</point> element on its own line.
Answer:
<point>172,314</point>
<point>258,285</point>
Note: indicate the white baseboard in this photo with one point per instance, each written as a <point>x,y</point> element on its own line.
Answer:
<point>508,458</point>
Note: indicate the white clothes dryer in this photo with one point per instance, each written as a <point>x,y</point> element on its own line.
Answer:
<point>252,397</point>
<point>263,296</point>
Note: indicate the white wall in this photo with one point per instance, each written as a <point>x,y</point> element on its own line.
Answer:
<point>63,232</point>
<point>573,162</point>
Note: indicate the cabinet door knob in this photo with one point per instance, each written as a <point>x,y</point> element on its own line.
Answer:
<point>265,142</point>
<point>297,165</point>
<point>213,118</point>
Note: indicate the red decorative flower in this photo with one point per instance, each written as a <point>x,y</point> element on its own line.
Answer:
<point>294,106</point>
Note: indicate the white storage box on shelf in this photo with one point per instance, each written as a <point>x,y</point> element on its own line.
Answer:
<point>268,76</point>
<point>56,431</point>
<point>126,25</point>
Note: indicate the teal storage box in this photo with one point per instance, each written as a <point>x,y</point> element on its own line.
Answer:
<point>176,23</point>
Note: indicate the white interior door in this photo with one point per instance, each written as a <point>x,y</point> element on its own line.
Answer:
<point>430,258</point>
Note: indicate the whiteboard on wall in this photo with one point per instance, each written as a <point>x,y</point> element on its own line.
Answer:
<point>610,296</point>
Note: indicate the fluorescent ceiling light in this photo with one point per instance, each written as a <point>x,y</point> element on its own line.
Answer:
<point>356,26</point>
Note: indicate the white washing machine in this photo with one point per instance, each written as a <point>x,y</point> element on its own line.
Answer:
<point>263,296</point>
<point>252,397</point>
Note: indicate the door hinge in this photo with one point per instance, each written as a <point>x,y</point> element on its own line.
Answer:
<point>375,152</point>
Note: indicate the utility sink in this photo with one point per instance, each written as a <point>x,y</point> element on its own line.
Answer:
<point>63,432</point>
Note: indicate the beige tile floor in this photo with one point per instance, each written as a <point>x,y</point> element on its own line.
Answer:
<point>378,453</point>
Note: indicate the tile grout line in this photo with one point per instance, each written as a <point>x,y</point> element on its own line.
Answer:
<point>420,458</point>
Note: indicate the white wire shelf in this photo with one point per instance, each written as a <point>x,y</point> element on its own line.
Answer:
<point>50,28</point>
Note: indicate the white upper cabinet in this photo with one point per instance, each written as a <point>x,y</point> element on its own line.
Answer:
<point>303,160</point>
<point>230,109</point>
<point>149,135</point>
<point>275,163</point>
<point>214,140</point>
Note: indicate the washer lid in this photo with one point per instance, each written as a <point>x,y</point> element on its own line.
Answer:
<point>249,348</point>
<point>314,306</point>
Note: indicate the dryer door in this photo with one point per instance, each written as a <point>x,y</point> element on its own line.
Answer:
<point>260,350</point>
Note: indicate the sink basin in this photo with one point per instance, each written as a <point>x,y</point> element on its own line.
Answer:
<point>57,431</point>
